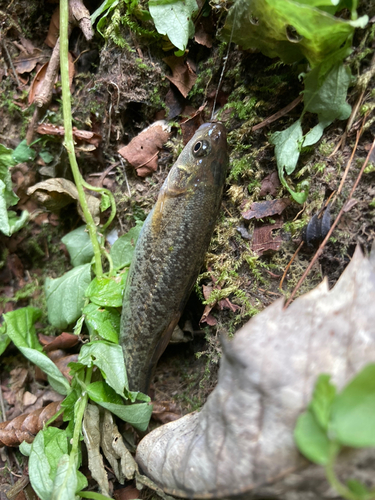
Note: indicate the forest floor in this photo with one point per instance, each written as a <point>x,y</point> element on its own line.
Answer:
<point>118,91</point>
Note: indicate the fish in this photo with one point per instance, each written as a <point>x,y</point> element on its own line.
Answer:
<point>170,252</point>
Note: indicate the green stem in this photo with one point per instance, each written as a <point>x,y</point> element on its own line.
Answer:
<point>110,196</point>
<point>81,407</point>
<point>334,480</point>
<point>68,140</point>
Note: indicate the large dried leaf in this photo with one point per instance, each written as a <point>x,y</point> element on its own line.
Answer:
<point>142,151</point>
<point>243,437</point>
<point>26,426</point>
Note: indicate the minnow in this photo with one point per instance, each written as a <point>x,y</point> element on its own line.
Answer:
<point>170,252</point>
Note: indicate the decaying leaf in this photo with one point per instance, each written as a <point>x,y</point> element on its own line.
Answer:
<point>55,194</point>
<point>91,436</point>
<point>183,76</point>
<point>54,29</point>
<point>242,439</point>
<point>264,240</point>
<point>26,62</point>
<point>142,151</point>
<point>270,184</point>
<point>26,426</point>
<point>259,210</point>
<point>78,135</point>
<point>114,449</point>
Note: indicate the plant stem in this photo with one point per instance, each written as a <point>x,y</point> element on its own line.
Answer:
<point>334,480</point>
<point>68,140</point>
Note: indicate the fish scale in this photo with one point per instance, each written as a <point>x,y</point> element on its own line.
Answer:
<point>170,252</point>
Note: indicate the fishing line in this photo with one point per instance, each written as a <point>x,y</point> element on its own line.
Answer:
<point>224,66</point>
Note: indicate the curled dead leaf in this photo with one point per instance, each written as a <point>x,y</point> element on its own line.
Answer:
<point>142,151</point>
<point>55,194</point>
<point>26,62</point>
<point>183,75</point>
<point>242,440</point>
<point>259,210</point>
<point>26,426</point>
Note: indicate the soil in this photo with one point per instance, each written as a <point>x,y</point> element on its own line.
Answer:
<point>118,91</point>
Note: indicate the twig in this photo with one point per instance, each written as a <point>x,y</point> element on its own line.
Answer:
<point>11,63</point>
<point>290,263</point>
<point>359,133</point>
<point>322,245</point>
<point>279,114</point>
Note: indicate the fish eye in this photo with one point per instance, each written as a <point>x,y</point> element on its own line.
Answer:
<point>201,148</point>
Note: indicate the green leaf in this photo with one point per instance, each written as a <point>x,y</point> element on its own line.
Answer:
<point>137,415</point>
<point>23,153</point>
<point>123,248</point>
<point>20,327</point>
<point>105,322</point>
<point>25,448</point>
<point>79,246</point>
<point>92,494</point>
<point>174,18</point>
<point>326,95</point>
<point>7,199</point>
<point>107,292</point>
<point>291,30</point>
<point>4,342</point>
<point>65,483</point>
<point>324,394</point>
<point>66,296</point>
<point>105,201</point>
<point>40,469</point>
<point>359,489</point>
<point>311,440</point>
<point>46,156</point>
<point>55,377</point>
<point>16,223</point>
<point>352,415</point>
<point>287,147</point>
<point>313,136</point>
<point>107,4</point>
<point>109,359</point>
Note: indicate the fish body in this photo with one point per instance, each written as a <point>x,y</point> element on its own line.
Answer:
<point>170,251</point>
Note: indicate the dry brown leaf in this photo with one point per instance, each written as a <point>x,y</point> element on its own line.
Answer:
<point>78,135</point>
<point>203,31</point>
<point>37,83</point>
<point>264,240</point>
<point>127,493</point>
<point>26,426</point>
<point>165,411</point>
<point>55,194</point>
<point>91,436</point>
<point>142,151</point>
<point>114,449</point>
<point>259,210</point>
<point>25,63</point>
<point>54,29</point>
<point>63,341</point>
<point>270,184</point>
<point>242,440</point>
<point>183,75</point>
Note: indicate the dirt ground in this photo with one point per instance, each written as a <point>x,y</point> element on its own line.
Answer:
<point>118,91</point>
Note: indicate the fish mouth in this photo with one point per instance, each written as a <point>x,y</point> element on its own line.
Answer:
<point>216,132</point>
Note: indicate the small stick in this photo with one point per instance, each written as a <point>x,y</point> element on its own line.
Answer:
<point>279,114</point>
<point>322,245</point>
<point>290,263</point>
